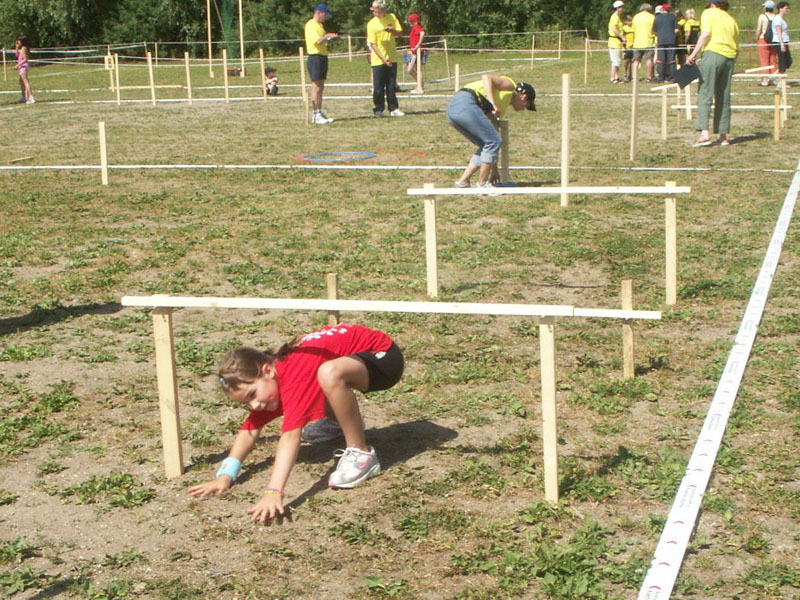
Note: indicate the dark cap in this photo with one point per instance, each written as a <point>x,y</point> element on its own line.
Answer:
<point>323,8</point>
<point>527,89</point>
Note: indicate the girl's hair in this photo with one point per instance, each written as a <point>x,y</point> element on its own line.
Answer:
<point>243,365</point>
<point>23,41</point>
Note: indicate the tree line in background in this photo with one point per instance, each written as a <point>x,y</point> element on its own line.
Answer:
<point>54,23</point>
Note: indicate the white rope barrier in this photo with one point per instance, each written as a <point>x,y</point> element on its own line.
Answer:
<point>660,578</point>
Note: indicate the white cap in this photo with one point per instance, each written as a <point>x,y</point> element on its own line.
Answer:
<point>618,3</point>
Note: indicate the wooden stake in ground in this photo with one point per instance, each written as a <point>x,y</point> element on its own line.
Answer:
<point>188,78</point>
<point>101,126</point>
<point>559,45</point>
<point>457,78</point>
<point>225,73</point>
<point>504,152</point>
<point>634,107</point>
<point>687,91</point>
<point>547,349</point>
<point>446,58</point>
<point>332,285</point>
<point>350,48</point>
<point>586,61</point>
<point>626,295</point>
<point>431,258</point>
<point>210,47</point>
<point>303,86</point>
<point>263,73</point>
<point>168,392</point>
<point>3,52</point>
<point>241,40</point>
<point>671,247</point>
<point>776,130</point>
<point>420,88</point>
<point>533,47</point>
<point>108,64</point>
<point>116,76</point>
<point>152,79</point>
<point>564,137</point>
<point>664,114</point>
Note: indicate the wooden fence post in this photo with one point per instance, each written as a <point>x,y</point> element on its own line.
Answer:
<point>168,392</point>
<point>431,257</point>
<point>547,364</point>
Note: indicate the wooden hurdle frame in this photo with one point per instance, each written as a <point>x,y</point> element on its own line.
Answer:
<point>671,256</point>
<point>166,372</point>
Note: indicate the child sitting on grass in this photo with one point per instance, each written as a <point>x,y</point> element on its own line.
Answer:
<point>271,81</point>
<point>305,381</point>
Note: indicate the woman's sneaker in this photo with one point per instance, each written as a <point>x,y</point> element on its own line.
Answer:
<point>320,431</point>
<point>354,468</point>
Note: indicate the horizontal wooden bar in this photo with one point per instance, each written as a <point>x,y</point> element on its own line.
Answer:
<point>741,107</point>
<point>548,191</point>
<point>463,308</point>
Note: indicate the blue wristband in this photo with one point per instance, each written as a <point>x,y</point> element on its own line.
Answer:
<point>230,467</point>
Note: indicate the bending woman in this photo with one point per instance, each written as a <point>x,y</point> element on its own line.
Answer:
<point>474,112</point>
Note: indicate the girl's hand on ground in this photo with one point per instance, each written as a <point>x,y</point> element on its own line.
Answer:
<point>215,486</point>
<point>270,506</point>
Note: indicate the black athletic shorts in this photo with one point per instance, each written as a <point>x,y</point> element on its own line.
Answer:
<point>317,67</point>
<point>384,368</point>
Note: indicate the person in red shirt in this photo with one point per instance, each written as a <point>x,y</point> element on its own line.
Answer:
<point>415,38</point>
<point>307,381</point>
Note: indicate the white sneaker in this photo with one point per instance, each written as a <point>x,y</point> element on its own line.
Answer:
<point>320,431</point>
<point>327,118</point>
<point>397,113</point>
<point>31,100</point>
<point>459,184</point>
<point>417,91</point>
<point>354,468</point>
<point>320,119</point>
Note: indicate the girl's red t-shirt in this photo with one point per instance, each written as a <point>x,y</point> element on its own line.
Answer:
<point>302,399</point>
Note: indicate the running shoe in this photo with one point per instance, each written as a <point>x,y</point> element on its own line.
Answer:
<point>354,468</point>
<point>397,113</point>
<point>320,431</point>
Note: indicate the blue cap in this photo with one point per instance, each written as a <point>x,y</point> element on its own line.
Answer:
<point>769,4</point>
<point>323,8</point>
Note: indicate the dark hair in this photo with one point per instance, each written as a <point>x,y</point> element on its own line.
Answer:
<point>23,41</point>
<point>269,69</point>
<point>243,365</point>
<point>781,5</point>
<point>722,4</point>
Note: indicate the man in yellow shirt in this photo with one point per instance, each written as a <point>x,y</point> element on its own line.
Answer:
<point>643,41</point>
<point>616,40</point>
<point>317,48</point>
<point>719,42</point>
<point>382,30</point>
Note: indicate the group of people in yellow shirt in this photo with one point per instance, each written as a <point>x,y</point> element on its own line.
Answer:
<point>633,39</point>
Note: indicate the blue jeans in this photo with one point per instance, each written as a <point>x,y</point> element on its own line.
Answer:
<point>465,115</point>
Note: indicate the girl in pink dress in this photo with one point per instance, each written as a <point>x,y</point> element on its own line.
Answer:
<point>23,49</point>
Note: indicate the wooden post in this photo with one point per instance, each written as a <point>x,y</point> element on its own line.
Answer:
<point>225,73</point>
<point>103,153</point>
<point>564,137</point>
<point>533,48</point>
<point>457,78</point>
<point>776,130</point>
<point>109,63</point>
<point>116,76</point>
<point>785,98</point>
<point>241,40</point>
<point>687,94</point>
<point>626,295</point>
<point>446,58</point>
<point>332,283</point>
<point>155,52</point>
<point>664,114</point>
<point>430,244</point>
<point>505,176</point>
<point>210,47</point>
<point>559,45</point>
<point>3,52</point>
<point>547,366</point>
<point>188,78</point>
<point>350,48</point>
<point>586,61</point>
<point>152,79</point>
<point>168,392</point>
<point>303,89</point>
<point>671,229</point>
<point>677,101</point>
<point>263,74</point>
<point>420,85</point>
<point>634,107</point>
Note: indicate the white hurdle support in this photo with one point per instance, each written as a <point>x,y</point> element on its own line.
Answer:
<point>430,192</point>
<point>167,373</point>
<point>152,78</point>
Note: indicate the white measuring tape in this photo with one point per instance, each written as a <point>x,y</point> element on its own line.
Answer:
<point>660,578</point>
